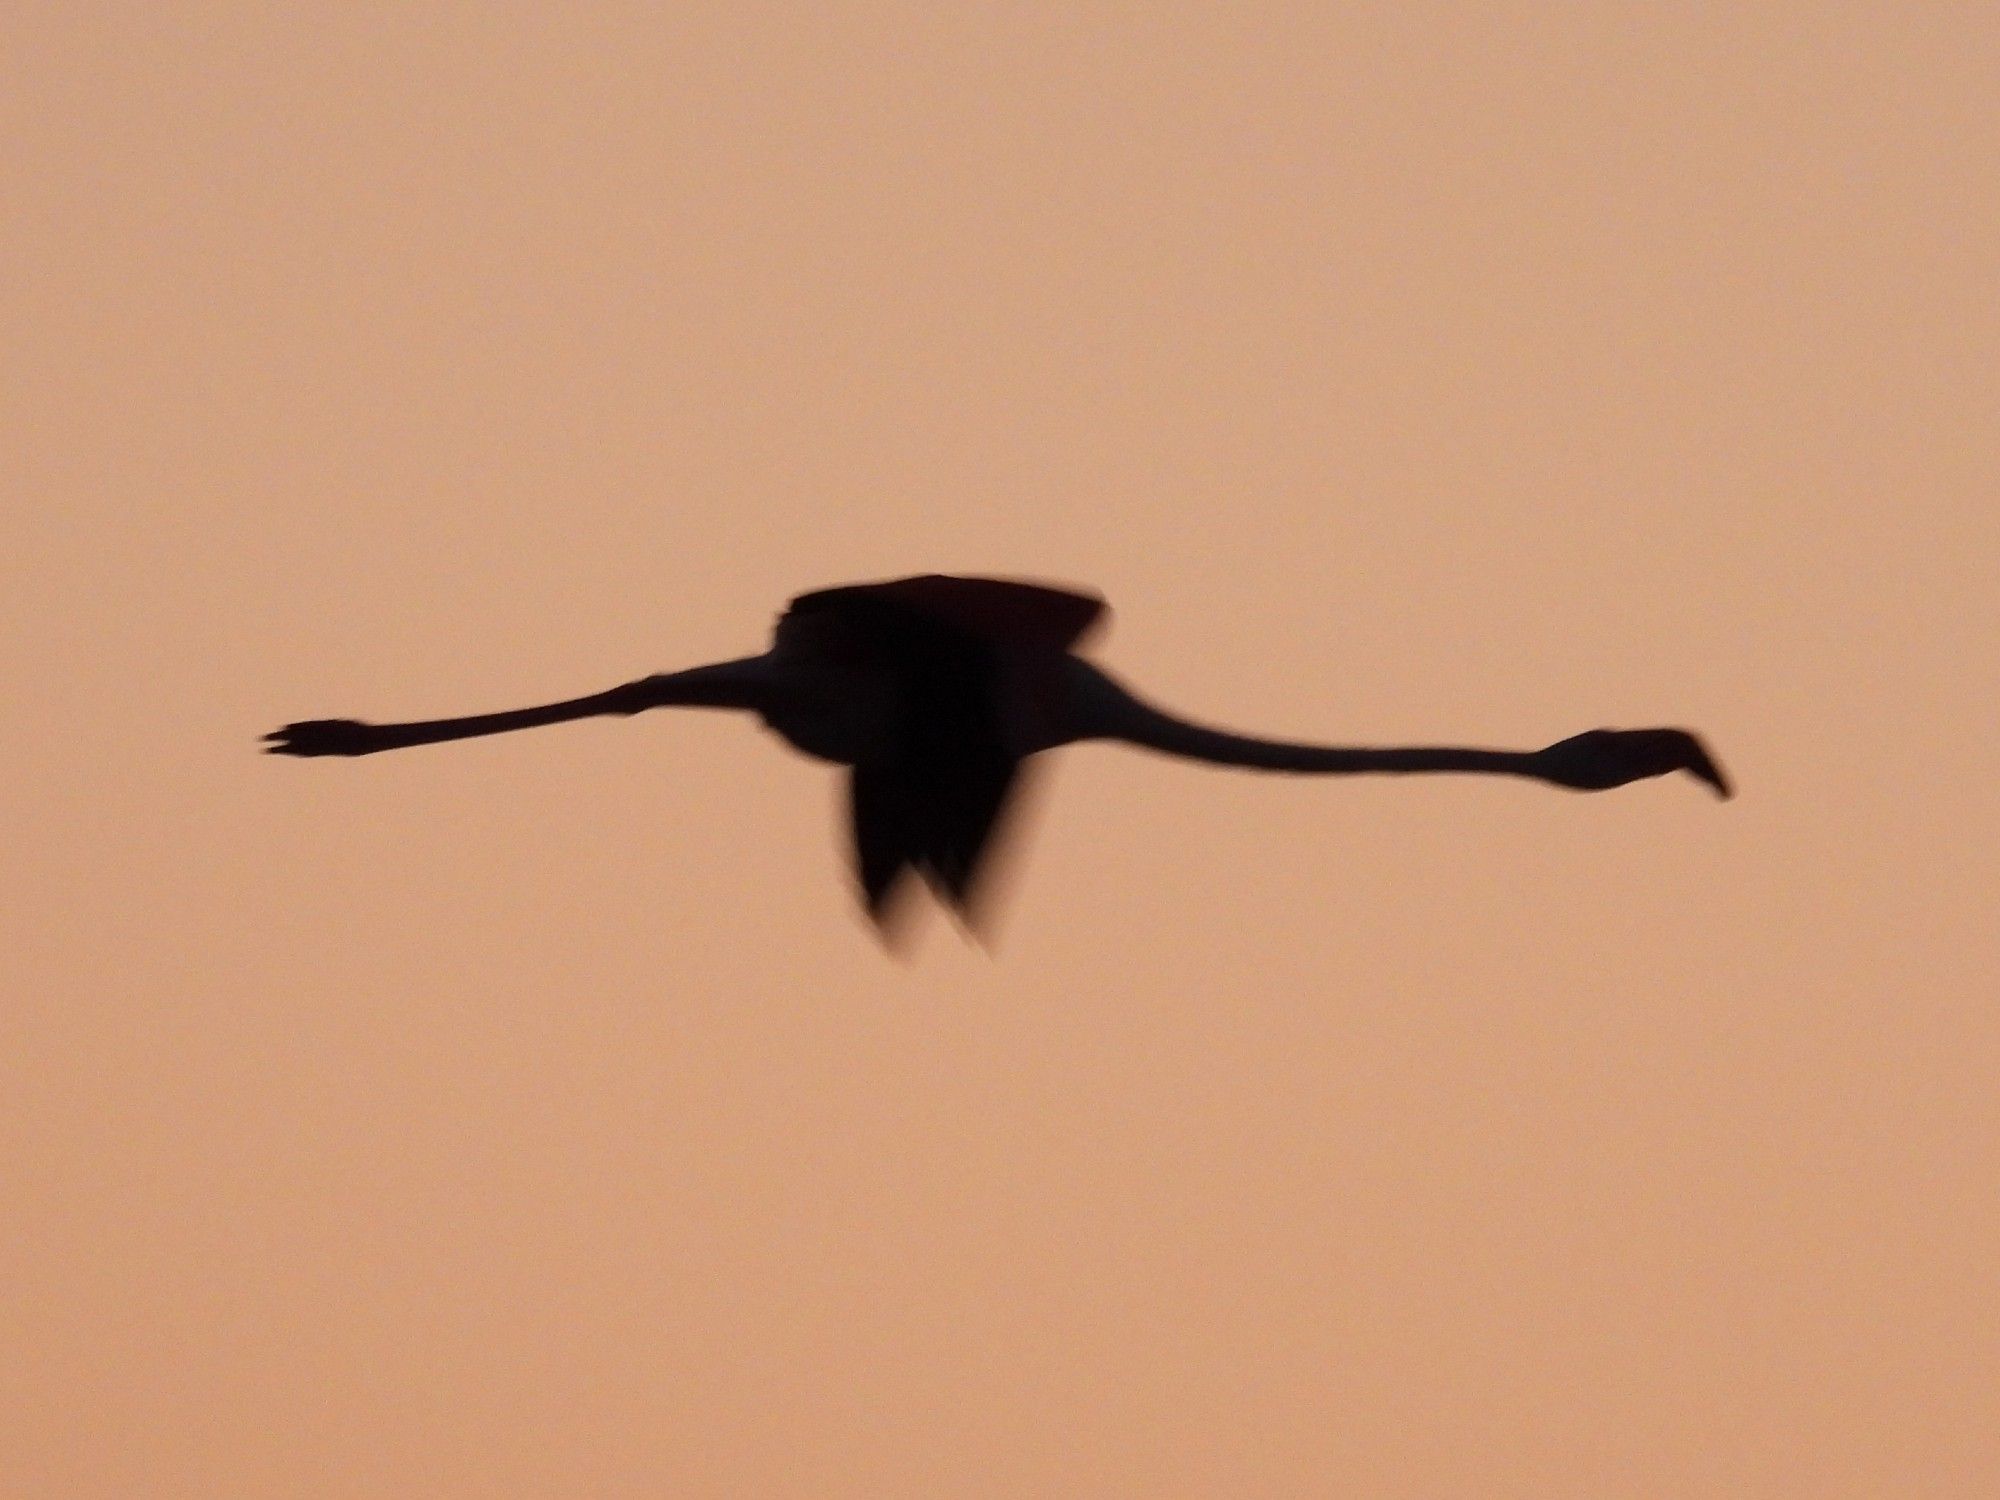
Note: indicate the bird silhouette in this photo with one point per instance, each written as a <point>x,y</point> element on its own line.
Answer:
<point>935,691</point>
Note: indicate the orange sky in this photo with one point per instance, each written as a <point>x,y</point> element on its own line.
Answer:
<point>534,1117</point>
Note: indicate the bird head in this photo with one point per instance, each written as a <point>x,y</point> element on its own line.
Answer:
<point>1599,759</point>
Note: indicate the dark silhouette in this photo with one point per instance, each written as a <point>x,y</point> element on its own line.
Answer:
<point>935,690</point>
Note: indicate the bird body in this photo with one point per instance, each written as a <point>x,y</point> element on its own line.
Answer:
<point>935,691</point>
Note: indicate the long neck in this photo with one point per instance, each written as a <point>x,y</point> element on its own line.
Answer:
<point>729,684</point>
<point>1112,712</point>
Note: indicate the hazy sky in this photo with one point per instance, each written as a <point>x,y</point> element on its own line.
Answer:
<point>535,1117</point>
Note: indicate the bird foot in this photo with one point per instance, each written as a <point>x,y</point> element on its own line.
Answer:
<point>324,737</point>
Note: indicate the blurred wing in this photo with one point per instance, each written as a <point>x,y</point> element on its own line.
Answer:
<point>936,821</point>
<point>888,839</point>
<point>931,805</point>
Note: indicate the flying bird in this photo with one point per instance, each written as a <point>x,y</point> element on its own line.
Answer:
<point>935,691</point>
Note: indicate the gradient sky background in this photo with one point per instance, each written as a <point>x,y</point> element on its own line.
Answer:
<point>535,1117</point>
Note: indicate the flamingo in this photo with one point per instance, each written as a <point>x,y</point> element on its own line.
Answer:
<point>935,690</point>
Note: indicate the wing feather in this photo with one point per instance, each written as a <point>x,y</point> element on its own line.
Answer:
<point>908,820</point>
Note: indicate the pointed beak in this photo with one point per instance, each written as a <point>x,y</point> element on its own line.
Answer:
<point>1702,764</point>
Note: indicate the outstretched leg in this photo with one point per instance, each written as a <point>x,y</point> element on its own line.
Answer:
<point>729,684</point>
